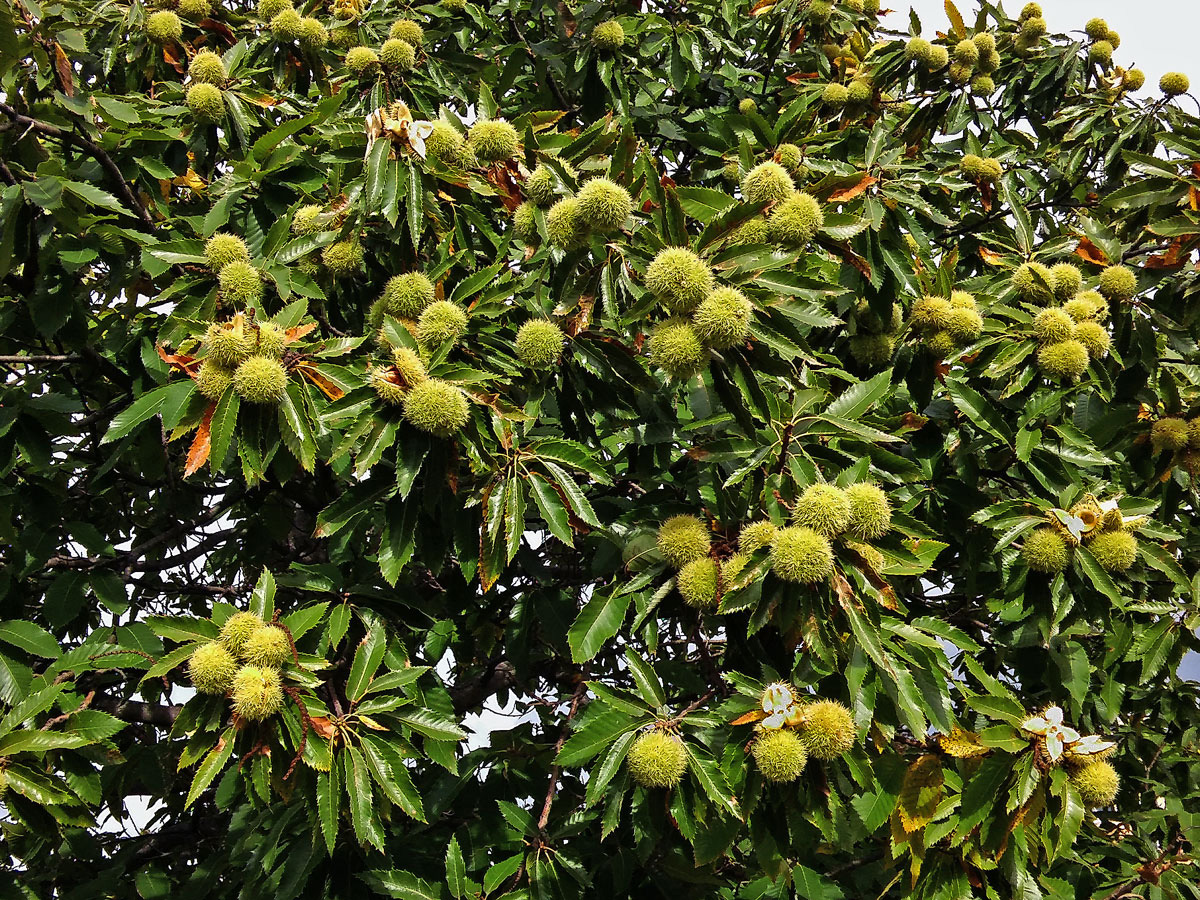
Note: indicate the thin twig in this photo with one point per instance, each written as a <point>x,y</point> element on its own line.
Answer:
<point>550,81</point>
<point>556,770</point>
<point>692,707</point>
<point>45,358</point>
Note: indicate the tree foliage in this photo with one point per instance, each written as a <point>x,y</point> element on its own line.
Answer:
<point>776,419</point>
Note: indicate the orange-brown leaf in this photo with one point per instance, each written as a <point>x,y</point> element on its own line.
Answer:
<point>579,321</point>
<point>297,332</point>
<point>501,178</point>
<point>755,715</point>
<point>854,190</point>
<point>1175,257</point>
<point>956,19</point>
<point>989,256</point>
<point>201,444</point>
<point>172,58</point>
<point>986,196</point>
<point>66,74</point>
<point>853,259</point>
<point>219,28</point>
<point>328,388</point>
<point>568,19</point>
<point>762,7</point>
<point>1089,251</point>
<point>322,726</point>
<point>180,361</point>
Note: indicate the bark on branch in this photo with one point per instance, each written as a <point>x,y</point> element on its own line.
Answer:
<point>92,149</point>
<point>137,711</point>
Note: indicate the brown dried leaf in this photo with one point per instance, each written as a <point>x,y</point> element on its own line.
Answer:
<point>755,715</point>
<point>180,361</point>
<point>322,726</point>
<point>66,75</point>
<point>1090,252</point>
<point>327,387</point>
<point>297,332</point>
<point>173,59</point>
<point>201,444</point>
<point>854,190</point>
<point>568,19</point>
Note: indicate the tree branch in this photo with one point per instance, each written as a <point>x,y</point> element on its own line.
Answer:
<point>550,81</point>
<point>45,358</point>
<point>93,150</point>
<point>137,711</point>
<point>497,678</point>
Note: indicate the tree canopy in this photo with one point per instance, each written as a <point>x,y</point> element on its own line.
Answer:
<point>546,450</point>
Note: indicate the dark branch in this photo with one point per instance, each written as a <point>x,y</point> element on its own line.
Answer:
<point>137,711</point>
<point>93,149</point>
<point>499,677</point>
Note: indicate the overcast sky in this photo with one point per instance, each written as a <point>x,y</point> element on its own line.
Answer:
<point>1156,35</point>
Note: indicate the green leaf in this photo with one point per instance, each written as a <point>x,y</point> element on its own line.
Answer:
<point>29,637</point>
<point>856,400</point>
<point>1096,574</point>
<point>1003,708</point>
<point>814,886</point>
<point>415,204</point>
<point>431,724</point>
<point>295,426</point>
<point>39,741</point>
<point>363,817</point>
<point>980,411</point>
<point>456,872</point>
<point>598,621</point>
<point>329,797</point>
<point>982,792</point>
<point>712,780</point>
<point>262,599</point>
<point>377,159</point>
<point>367,658</point>
<point>222,426</point>
<point>874,808</point>
<point>392,776</point>
<point>603,774</point>
<point>33,705</point>
<point>398,679</point>
<point>644,677</point>
<point>575,497</point>
<point>213,763</point>
<point>501,872</point>
<point>399,884</point>
<point>183,628</point>
<point>1070,819</point>
<point>600,728</point>
<point>136,413</point>
<point>551,507</point>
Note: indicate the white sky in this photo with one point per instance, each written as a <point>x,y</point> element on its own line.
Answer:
<point>1157,36</point>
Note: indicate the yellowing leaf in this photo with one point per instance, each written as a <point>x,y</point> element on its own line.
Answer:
<point>961,744</point>
<point>921,792</point>
<point>956,19</point>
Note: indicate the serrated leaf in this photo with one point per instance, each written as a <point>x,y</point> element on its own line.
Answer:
<point>213,763</point>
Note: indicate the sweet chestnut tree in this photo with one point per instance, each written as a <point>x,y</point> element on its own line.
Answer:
<point>546,450</point>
